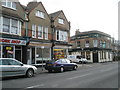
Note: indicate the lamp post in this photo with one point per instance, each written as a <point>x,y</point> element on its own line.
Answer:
<point>42,56</point>
<point>82,57</point>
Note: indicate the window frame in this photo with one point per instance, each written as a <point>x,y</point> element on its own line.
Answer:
<point>11,4</point>
<point>46,33</point>
<point>33,30</point>
<point>61,21</point>
<point>40,31</point>
<point>40,14</point>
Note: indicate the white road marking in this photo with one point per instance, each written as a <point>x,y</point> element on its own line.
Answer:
<point>79,76</point>
<point>35,86</point>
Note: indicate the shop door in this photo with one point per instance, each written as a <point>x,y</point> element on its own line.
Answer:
<point>29,56</point>
<point>95,57</point>
<point>18,55</point>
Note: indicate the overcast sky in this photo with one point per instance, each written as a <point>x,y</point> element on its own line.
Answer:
<point>86,15</point>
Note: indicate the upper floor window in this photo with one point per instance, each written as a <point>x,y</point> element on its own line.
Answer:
<point>87,43</point>
<point>61,35</point>
<point>46,33</point>
<point>61,21</point>
<point>78,44</point>
<point>10,26</point>
<point>40,32</point>
<point>9,4</point>
<point>33,31</point>
<point>95,43</point>
<point>40,14</point>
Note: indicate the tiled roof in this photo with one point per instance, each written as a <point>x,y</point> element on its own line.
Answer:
<point>55,14</point>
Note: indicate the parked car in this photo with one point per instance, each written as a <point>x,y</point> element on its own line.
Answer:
<point>60,65</point>
<point>83,60</point>
<point>12,67</point>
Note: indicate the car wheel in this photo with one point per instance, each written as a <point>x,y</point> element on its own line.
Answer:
<point>75,68</point>
<point>30,73</point>
<point>49,71</point>
<point>61,69</point>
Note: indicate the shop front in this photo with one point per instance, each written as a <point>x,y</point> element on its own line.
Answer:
<point>38,52</point>
<point>11,48</point>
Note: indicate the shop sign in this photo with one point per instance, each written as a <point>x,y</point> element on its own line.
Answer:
<point>12,41</point>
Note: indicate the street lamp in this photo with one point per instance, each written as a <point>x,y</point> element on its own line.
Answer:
<point>42,56</point>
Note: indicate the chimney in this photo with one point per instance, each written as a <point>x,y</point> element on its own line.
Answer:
<point>77,31</point>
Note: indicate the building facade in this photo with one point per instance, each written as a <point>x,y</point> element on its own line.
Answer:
<point>12,41</point>
<point>27,33</point>
<point>93,45</point>
<point>60,34</point>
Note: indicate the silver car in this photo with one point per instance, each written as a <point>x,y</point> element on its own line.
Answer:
<point>12,67</point>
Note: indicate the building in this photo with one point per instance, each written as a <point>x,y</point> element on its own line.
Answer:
<point>93,45</point>
<point>39,31</point>
<point>61,34</point>
<point>12,41</point>
<point>27,32</point>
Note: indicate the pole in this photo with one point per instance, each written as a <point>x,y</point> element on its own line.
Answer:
<point>42,56</point>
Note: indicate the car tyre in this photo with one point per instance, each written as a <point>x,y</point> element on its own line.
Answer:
<point>30,73</point>
<point>49,71</point>
<point>75,68</point>
<point>61,69</point>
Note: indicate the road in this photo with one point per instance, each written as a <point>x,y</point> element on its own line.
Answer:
<point>99,75</point>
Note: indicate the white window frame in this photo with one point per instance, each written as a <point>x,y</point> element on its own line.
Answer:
<point>1,24</point>
<point>17,27</point>
<point>40,14</point>
<point>40,29</point>
<point>33,30</point>
<point>62,36</point>
<point>95,43</point>
<point>61,21</point>
<point>11,4</point>
<point>46,33</point>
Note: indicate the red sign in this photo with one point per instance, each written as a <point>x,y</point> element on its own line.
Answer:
<point>12,41</point>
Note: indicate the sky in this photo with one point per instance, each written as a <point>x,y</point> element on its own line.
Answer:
<point>86,15</point>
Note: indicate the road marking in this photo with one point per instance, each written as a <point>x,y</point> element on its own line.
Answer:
<point>35,86</point>
<point>79,76</point>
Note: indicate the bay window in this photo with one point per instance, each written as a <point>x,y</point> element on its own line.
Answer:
<point>10,26</point>
<point>61,35</point>
<point>40,32</point>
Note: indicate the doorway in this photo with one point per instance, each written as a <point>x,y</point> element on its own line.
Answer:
<point>95,57</point>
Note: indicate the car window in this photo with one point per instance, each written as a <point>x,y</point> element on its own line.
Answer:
<point>64,61</point>
<point>5,62</point>
<point>58,61</point>
<point>68,61</point>
<point>12,62</point>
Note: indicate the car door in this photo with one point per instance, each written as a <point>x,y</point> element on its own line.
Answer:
<point>17,68</point>
<point>70,65</point>
<point>5,68</point>
<point>65,64</point>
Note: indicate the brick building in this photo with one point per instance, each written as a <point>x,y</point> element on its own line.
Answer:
<point>93,45</point>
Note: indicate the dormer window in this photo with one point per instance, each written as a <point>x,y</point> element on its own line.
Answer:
<point>40,14</point>
<point>61,21</point>
<point>9,4</point>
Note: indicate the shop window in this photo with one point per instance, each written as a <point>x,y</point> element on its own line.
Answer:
<point>8,52</point>
<point>88,55</point>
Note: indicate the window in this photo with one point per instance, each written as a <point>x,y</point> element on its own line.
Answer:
<point>6,25</point>
<point>46,33</point>
<point>9,4</point>
<point>60,21</point>
<point>12,62</point>
<point>40,32</point>
<point>95,43</point>
<point>40,14</point>
<point>34,31</point>
<point>78,44</point>
<point>61,35</point>
<point>14,27</point>
<point>87,43</point>
<point>10,26</point>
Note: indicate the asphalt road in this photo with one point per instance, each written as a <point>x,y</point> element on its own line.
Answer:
<point>100,75</point>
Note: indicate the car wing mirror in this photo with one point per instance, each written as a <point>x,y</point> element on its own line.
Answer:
<point>21,64</point>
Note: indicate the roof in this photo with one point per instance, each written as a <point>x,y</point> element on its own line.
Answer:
<point>93,31</point>
<point>55,14</point>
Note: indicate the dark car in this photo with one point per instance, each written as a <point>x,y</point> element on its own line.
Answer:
<point>60,65</point>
